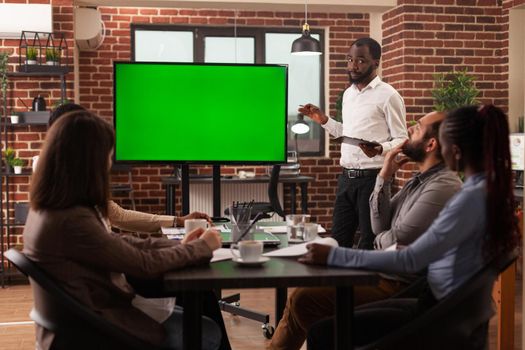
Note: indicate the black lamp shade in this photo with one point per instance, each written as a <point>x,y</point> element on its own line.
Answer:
<point>306,45</point>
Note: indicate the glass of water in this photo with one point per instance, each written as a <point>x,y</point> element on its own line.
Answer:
<point>295,225</point>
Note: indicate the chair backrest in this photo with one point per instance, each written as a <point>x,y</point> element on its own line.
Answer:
<point>59,312</point>
<point>453,321</point>
<point>121,169</point>
<point>272,190</point>
<point>127,185</point>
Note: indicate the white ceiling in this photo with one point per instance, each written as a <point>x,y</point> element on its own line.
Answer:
<point>355,6</point>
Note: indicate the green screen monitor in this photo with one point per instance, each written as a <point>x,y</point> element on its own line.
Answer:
<point>200,113</point>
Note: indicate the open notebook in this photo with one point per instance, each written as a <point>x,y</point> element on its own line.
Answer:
<point>266,237</point>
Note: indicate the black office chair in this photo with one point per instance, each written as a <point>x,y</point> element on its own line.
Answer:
<point>72,322</point>
<point>271,207</point>
<point>459,321</point>
<point>123,187</point>
<point>231,303</point>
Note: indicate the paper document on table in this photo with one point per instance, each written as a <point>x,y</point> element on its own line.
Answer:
<point>179,232</point>
<point>221,254</point>
<point>282,229</point>
<point>300,249</point>
<point>173,232</point>
<point>392,247</point>
<point>355,141</point>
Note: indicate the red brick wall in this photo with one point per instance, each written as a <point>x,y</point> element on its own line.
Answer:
<point>422,38</point>
<point>96,84</point>
<point>27,140</point>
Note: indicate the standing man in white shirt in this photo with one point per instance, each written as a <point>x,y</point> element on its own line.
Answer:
<point>372,111</point>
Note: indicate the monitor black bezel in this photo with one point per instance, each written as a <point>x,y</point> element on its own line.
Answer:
<point>203,161</point>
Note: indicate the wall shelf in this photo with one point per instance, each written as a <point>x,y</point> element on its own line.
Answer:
<point>42,69</point>
<point>7,222</point>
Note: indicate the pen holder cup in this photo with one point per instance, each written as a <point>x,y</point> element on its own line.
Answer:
<point>240,214</point>
<point>239,229</point>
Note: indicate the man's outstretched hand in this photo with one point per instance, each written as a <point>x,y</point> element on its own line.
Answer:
<point>314,113</point>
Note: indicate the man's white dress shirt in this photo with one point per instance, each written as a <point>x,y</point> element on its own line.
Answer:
<point>376,113</point>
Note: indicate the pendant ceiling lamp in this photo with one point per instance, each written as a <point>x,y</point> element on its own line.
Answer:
<point>306,45</point>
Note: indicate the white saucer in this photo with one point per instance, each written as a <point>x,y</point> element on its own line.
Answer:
<point>296,240</point>
<point>261,261</point>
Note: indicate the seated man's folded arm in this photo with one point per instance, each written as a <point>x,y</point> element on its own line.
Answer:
<point>422,213</point>
<point>381,206</point>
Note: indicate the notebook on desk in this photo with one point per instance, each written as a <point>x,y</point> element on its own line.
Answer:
<point>268,239</point>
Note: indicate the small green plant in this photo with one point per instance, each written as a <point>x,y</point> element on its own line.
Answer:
<point>4,60</point>
<point>11,159</point>
<point>52,54</point>
<point>9,154</point>
<point>17,162</point>
<point>31,53</point>
<point>454,90</point>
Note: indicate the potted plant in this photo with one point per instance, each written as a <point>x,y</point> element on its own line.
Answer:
<point>52,56</point>
<point>12,162</point>
<point>31,54</point>
<point>15,117</point>
<point>17,165</point>
<point>9,155</point>
<point>454,90</point>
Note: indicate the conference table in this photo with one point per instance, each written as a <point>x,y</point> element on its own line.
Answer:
<point>278,273</point>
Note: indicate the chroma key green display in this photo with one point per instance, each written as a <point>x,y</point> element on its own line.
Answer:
<point>200,113</point>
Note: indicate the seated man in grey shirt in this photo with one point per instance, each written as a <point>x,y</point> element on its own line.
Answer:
<point>397,220</point>
<point>402,218</point>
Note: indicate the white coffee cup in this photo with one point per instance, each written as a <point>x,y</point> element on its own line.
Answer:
<point>14,119</point>
<point>250,251</point>
<point>192,224</point>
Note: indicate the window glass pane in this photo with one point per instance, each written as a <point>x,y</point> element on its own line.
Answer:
<point>224,49</point>
<point>163,46</point>
<point>304,84</point>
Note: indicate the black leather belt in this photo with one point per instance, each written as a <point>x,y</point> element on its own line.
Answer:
<point>356,173</point>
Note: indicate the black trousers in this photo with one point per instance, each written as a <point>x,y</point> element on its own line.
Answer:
<point>352,210</point>
<point>371,321</point>
<point>374,320</point>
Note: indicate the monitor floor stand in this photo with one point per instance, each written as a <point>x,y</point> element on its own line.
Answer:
<point>230,303</point>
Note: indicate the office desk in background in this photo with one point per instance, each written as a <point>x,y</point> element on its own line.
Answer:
<point>291,181</point>
<point>278,273</point>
